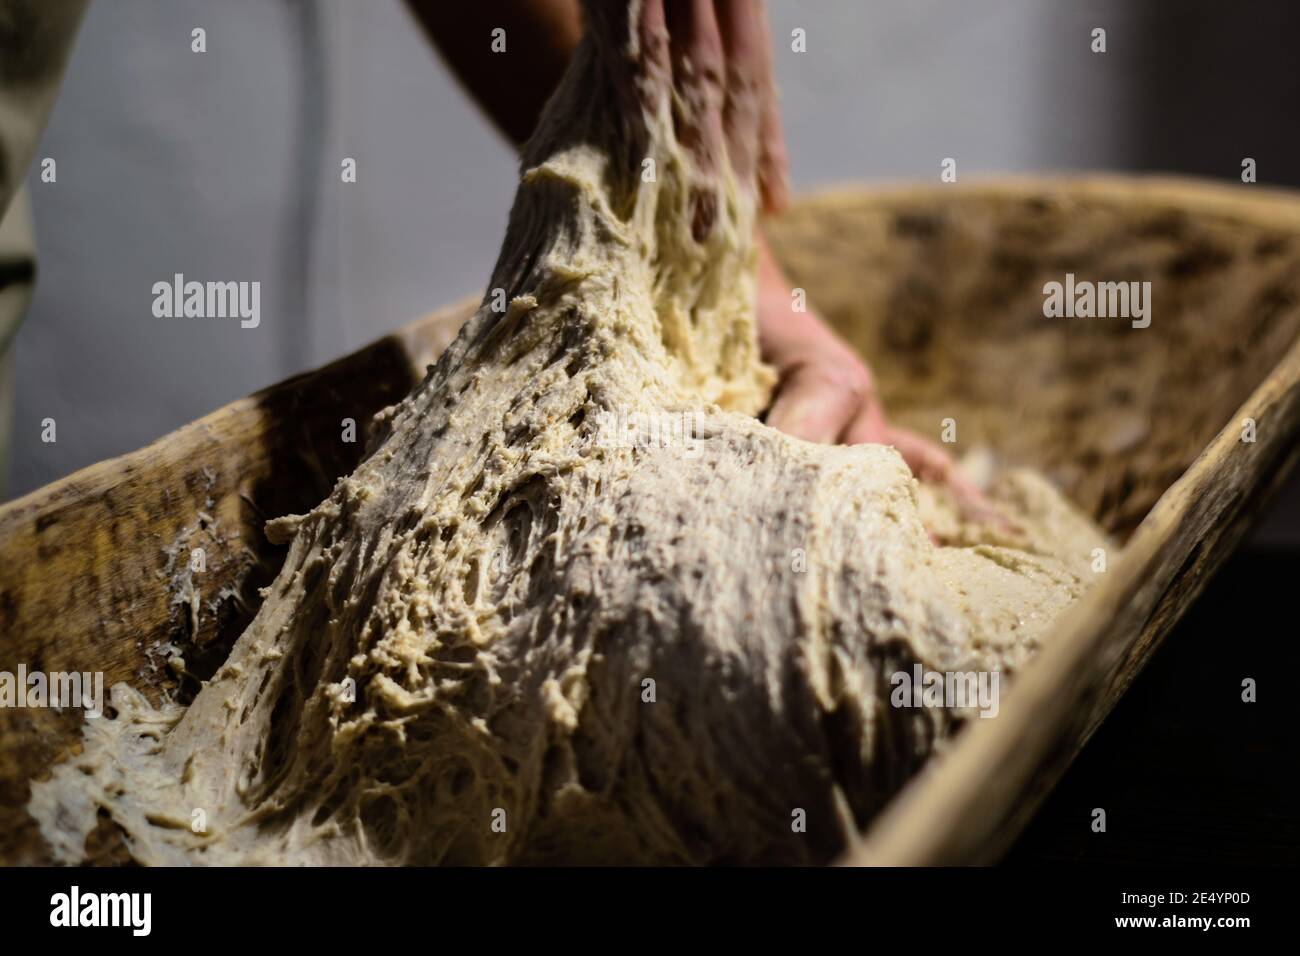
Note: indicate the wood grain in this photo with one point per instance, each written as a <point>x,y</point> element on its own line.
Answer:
<point>968,807</point>
<point>93,568</point>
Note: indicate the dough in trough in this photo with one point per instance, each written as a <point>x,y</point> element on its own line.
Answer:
<point>579,604</point>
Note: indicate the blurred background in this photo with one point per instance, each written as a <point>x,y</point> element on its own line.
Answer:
<point>225,166</point>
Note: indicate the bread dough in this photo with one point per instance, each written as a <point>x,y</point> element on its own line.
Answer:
<point>507,638</point>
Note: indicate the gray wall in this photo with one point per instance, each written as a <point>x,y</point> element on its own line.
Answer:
<point>224,165</point>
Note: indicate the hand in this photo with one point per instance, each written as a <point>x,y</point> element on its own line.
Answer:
<point>826,394</point>
<point>716,57</point>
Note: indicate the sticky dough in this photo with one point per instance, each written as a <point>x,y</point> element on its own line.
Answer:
<point>507,638</point>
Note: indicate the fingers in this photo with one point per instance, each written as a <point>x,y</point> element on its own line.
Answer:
<point>652,53</point>
<point>816,407</point>
<point>773,162</point>
<point>748,74</point>
<point>932,464</point>
<point>635,54</point>
<point>698,65</point>
<point>817,401</point>
<point>867,426</point>
<point>721,65</point>
<point>752,117</point>
<point>824,388</point>
<point>927,460</point>
<point>717,56</point>
<point>698,62</point>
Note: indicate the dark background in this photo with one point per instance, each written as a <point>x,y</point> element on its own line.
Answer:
<point>1186,771</point>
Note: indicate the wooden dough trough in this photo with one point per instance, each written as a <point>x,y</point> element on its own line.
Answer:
<point>941,288</point>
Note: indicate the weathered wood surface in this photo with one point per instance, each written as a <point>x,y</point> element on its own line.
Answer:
<point>94,568</point>
<point>941,288</point>
<point>969,807</point>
